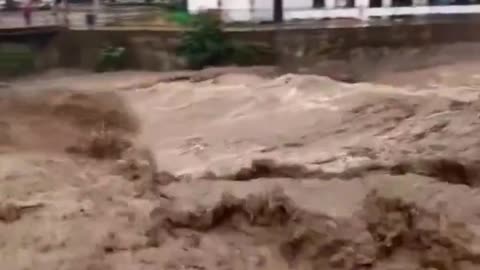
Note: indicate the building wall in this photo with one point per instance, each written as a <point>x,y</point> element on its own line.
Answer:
<point>262,10</point>
<point>237,10</point>
<point>195,6</point>
<point>297,4</point>
<point>257,10</point>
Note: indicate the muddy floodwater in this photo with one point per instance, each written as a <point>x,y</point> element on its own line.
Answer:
<point>242,169</point>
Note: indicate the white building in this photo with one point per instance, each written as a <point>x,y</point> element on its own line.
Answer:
<point>262,10</point>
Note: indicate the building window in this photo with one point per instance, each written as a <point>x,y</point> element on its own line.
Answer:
<point>318,3</point>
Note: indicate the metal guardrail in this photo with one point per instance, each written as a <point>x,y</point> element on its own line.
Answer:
<point>75,17</point>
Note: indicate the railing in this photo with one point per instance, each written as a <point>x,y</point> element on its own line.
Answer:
<point>75,17</point>
<point>111,16</point>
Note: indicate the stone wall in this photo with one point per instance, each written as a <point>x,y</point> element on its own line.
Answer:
<point>305,47</point>
<point>150,50</point>
<point>24,50</point>
<point>353,54</point>
<point>294,49</point>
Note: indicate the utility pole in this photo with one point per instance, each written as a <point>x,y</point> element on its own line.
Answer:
<point>278,11</point>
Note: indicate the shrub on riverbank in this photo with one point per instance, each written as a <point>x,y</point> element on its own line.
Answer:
<point>206,44</point>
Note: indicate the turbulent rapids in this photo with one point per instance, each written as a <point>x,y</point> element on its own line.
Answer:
<point>241,169</point>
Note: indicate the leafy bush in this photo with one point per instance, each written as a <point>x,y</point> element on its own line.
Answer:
<point>207,45</point>
<point>111,59</point>
<point>243,54</point>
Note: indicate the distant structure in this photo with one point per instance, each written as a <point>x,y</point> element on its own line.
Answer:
<point>263,10</point>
